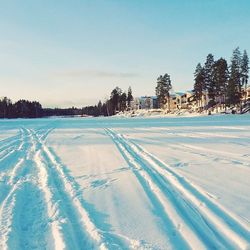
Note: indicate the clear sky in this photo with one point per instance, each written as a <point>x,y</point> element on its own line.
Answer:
<point>65,53</point>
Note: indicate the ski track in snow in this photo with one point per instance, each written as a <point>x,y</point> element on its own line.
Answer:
<point>200,220</point>
<point>42,206</point>
<point>210,154</point>
<point>39,207</point>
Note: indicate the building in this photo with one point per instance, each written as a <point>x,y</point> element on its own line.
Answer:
<point>144,102</point>
<point>246,95</point>
<point>176,101</point>
<point>197,105</point>
<point>135,104</point>
<point>173,102</point>
<point>185,100</point>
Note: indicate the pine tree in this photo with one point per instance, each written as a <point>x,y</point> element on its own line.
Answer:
<point>115,99</point>
<point>220,79</point>
<point>162,90</point>
<point>99,106</point>
<point>234,84</point>
<point>104,109</point>
<point>5,107</point>
<point>129,97</point>
<point>159,91</point>
<point>244,72</point>
<point>199,83</point>
<point>208,71</point>
<point>123,101</point>
<point>109,106</point>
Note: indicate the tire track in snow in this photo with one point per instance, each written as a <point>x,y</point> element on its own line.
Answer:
<point>216,155</point>
<point>207,199</point>
<point>3,141</point>
<point>212,154</point>
<point>44,136</point>
<point>10,159</point>
<point>9,149</point>
<point>43,199</point>
<point>22,211</point>
<point>188,184</point>
<point>225,229</point>
<point>164,202</point>
<point>20,158</point>
<point>6,171</point>
<point>29,226</point>
<point>60,189</point>
<point>106,239</point>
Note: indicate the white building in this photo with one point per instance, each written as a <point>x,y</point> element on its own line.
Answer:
<point>144,102</point>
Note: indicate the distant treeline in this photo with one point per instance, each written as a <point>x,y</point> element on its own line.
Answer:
<point>20,109</point>
<point>118,101</point>
<point>28,109</point>
<point>224,84</point>
<point>62,112</point>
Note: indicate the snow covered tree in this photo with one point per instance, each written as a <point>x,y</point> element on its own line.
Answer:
<point>162,90</point>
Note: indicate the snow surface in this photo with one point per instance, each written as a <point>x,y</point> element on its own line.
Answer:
<point>125,183</point>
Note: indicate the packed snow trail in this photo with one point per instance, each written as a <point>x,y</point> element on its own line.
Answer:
<point>22,211</point>
<point>41,201</point>
<point>203,223</point>
<point>41,205</point>
<point>72,205</point>
<point>72,184</point>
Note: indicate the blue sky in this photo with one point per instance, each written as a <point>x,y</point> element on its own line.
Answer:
<point>65,53</point>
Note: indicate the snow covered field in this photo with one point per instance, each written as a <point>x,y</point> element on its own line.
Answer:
<point>114,183</point>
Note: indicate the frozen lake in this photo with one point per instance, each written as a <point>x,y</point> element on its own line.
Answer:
<point>116,183</point>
